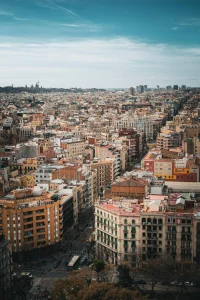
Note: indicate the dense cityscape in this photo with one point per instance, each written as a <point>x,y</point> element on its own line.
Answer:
<point>100,150</point>
<point>105,182</point>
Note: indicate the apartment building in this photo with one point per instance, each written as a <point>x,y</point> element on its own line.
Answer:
<point>74,147</point>
<point>134,142</point>
<point>166,140</point>
<point>129,188</point>
<point>113,150</point>
<point>90,177</point>
<point>127,231</point>
<point>148,124</point>
<point>107,170</point>
<point>6,268</point>
<point>24,165</point>
<point>34,219</point>
<point>46,173</point>
<point>116,232</point>
<point>180,169</point>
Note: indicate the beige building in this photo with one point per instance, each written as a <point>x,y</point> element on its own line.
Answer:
<point>128,231</point>
<point>73,148</point>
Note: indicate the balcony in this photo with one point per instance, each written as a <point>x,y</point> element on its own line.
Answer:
<point>28,220</point>
<point>40,218</point>
<point>40,224</point>
<point>28,240</point>
<point>29,213</point>
<point>41,237</point>
<point>40,211</point>
<point>40,231</point>
<point>28,227</point>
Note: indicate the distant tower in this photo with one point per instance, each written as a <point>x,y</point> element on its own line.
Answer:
<point>145,87</point>
<point>131,91</point>
<point>176,87</point>
<point>140,89</point>
<point>37,84</point>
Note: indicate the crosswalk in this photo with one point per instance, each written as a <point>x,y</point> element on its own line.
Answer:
<point>74,252</point>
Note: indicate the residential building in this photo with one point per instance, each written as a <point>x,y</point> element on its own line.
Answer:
<point>107,170</point>
<point>6,267</point>
<point>161,224</point>
<point>34,221</point>
<point>129,188</point>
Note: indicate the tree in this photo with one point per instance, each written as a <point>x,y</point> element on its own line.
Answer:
<point>186,271</point>
<point>153,270</point>
<point>98,266</point>
<point>46,284</point>
<point>125,279</point>
<point>76,287</point>
<point>69,288</point>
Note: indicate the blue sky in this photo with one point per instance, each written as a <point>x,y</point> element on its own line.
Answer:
<point>100,43</point>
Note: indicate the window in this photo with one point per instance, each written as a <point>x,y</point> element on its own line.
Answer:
<point>125,222</point>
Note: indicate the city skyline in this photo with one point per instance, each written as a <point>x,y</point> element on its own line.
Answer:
<point>88,44</point>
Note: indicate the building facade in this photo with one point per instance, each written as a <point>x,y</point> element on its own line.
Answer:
<point>161,225</point>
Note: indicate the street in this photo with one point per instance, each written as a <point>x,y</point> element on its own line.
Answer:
<point>51,274</point>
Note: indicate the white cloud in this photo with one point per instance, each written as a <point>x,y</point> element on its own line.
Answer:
<point>116,62</point>
<point>6,13</point>
<point>62,8</point>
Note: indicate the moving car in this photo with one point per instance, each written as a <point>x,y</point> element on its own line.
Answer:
<point>26,274</point>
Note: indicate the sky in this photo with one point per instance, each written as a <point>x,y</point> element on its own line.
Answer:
<point>99,43</point>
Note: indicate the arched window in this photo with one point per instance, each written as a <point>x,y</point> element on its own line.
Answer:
<point>125,221</point>
<point>143,220</point>
<point>154,221</point>
<point>159,221</point>
<point>133,221</point>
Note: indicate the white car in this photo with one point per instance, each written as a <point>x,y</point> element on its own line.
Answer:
<point>187,283</point>
<point>175,283</point>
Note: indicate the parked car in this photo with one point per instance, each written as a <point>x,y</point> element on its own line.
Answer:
<point>187,283</point>
<point>175,283</point>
